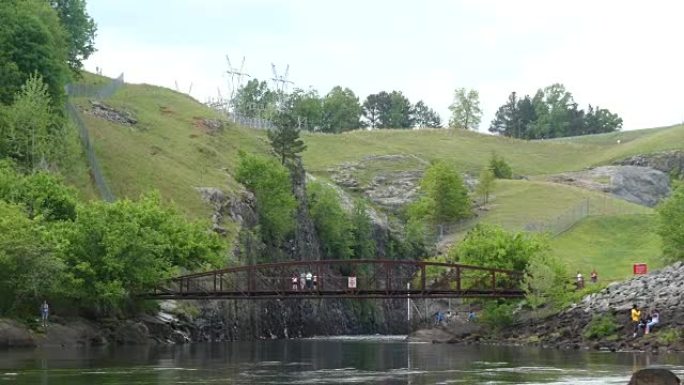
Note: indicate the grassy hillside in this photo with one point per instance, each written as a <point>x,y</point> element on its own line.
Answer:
<point>470,151</point>
<point>610,244</point>
<point>172,150</point>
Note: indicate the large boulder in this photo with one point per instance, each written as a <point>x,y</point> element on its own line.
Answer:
<point>654,377</point>
<point>641,185</point>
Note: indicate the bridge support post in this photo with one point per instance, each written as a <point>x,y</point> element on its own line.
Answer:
<point>458,278</point>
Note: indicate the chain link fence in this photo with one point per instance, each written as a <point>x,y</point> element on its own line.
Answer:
<point>94,91</point>
<point>260,124</point>
<point>98,92</point>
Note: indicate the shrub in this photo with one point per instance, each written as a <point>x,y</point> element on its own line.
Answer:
<point>497,315</point>
<point>333,225</point>
<point>500,168</point>
<point>671,225</point>
<point>669,336</point>
<point>602,326</point>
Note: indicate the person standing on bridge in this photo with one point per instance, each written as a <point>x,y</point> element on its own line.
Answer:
<point>309,280</point>
<point>295,282</point>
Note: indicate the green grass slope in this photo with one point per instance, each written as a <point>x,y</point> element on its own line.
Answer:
<point>610,244</point>
<point>470,151</point>
<point>171,151</point>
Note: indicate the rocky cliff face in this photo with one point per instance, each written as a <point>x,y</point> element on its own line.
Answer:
<point>669,162</point>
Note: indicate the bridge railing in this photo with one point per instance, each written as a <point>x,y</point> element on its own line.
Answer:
<point>343,278</point>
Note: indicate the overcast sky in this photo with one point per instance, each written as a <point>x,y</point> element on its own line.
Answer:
<point>622,55</point>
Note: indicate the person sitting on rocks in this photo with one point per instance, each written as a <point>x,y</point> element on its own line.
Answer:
<point>636,318</point>
<point>655,318</point>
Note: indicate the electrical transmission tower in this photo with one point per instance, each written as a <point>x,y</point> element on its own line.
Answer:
<point>281,83</point>
<point>235,77</point>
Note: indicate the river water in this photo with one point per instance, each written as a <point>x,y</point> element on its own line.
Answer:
<point>341,360</point>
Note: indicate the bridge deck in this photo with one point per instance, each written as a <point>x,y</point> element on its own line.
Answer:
<point>360,279</point>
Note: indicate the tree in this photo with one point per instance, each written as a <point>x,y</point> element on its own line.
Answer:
<point>399,112</point>
<point>269,181</point>
<point>114,250</point>
<point>445,196</point>
<point>284,139</point>
<point>671,224</point>
<point>341,111</point>
<point>35,136</point>
<point>363,244</point>
<point>599,120</point>
<point>32,40</point>
<point>485,184</point>
<point>423,116</point>
<point>29,269</point>
<point>545,280</point>
<point>465,110</point>
<point>255,100</point>
<point>306,107</point>
<point>371,109</point>
<point>494,247</point>
<point>333,225</point>
<point>507,121</point>
<point>80,29</point>
<point>499,167</point>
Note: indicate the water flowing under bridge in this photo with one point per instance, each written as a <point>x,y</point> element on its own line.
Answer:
<point>363,278</point>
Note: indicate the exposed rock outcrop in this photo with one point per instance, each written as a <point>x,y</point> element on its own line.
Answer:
<point>669,162</point>
<point>642,185</point>
<point>307,247</point>
<point>111,114</point>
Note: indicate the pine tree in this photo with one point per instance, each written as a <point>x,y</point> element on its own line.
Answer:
<point>285,139</point>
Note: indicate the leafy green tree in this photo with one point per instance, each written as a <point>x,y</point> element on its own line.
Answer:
<point>445,196</point>
<point>424,116</point>
<point>465,110</point>
<point>269,181</point>
<point>671,225</point>
<point>499,167</point>
<point>284,139</point>
<point>341,111</point>
<point>255,100</point>
<point>545,280</point>
<point>363,244</point>
<point>333,225</point>
<point>41,194</point>
<point>29,269</point>
<point>113,250</point>
<point>485,184</point>
<point>35,136</point>
<point>492,246</point>
<point>32,40</point>
<point>306,108</point>
<point>599,120</point>
<point>80,29</point>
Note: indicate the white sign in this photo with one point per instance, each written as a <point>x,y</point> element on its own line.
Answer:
<point>351,282</point>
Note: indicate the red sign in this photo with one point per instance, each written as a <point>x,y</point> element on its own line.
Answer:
<point>640,268</point>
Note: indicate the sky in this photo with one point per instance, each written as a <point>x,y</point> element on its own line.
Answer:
<point>626,56</point>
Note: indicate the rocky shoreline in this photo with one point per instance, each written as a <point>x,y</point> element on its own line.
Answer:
<point>661,290</point>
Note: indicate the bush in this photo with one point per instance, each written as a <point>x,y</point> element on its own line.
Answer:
<point>601,327</point>
<point>445,196</point>
<point>545,281</point>
<point>671,225</point>
<point>669,336</point>
<point>500,168</point>
<point>333,225</point>
<point>497,315</point>
<point>270,183</point>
